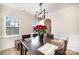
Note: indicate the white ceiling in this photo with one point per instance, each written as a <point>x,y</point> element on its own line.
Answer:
<point>33,7</point>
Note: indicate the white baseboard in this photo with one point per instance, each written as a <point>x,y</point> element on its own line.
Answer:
<point>6,48</point>
<point>73,50</point>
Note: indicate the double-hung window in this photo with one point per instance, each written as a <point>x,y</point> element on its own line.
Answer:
<point>11,25</point>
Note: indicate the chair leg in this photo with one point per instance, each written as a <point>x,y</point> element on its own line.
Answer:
<point>21,50</point>
<point>25,52</point>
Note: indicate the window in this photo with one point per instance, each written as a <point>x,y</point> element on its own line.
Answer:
<point>11,25</point>
<point>41,22</point>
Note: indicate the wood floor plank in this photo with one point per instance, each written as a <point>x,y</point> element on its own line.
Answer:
<point>13,51</point>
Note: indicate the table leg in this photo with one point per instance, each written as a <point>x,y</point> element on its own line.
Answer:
<point>21,50</point>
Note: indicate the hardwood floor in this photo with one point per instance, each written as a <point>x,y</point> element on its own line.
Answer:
<point>70,52</point>
<point>13,51</point>
<point>10,51</point>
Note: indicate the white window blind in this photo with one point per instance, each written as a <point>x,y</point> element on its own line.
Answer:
<point>12,25</point>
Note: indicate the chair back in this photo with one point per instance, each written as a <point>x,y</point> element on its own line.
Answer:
<point>34,35</point>
<point>26,36</point>
<point>50,36</point>
<point>62,51</point>
<point>65,46</point>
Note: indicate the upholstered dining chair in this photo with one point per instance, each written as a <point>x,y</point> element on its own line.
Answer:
<point>62,50</point>
<point>17,44</point>
<point>23,38</point>
<point>50,36</point>
<point>34,35</point>
<point>26,36</point>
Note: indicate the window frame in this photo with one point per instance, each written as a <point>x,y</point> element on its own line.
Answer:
<point>5,35</point>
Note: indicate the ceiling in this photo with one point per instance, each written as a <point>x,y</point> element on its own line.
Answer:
<point>33,7</point>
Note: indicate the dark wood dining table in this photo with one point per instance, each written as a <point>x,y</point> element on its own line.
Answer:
<point>32,44</point>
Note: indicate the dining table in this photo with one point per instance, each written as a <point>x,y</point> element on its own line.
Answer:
<point>32,44</point>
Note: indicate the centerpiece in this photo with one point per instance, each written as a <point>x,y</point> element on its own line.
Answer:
<point>40,29</point>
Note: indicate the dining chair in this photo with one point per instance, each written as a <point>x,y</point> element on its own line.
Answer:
<point>26,36</point>
<point>23,38</point>
<point>17,44</point>
<point>50,36</point>
<point>34,35</point>
<point>62,51</point>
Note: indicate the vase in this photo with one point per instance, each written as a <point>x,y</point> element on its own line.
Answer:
<point>41,38</point>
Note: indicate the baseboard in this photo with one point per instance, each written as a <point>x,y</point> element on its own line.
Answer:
<point>73,50</point>
<point>6,48</point>
<point>0,37</point>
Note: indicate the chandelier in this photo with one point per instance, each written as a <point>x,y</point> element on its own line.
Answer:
<point>42,14</point>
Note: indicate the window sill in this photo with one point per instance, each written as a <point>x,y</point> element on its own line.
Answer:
<point>11,36</point>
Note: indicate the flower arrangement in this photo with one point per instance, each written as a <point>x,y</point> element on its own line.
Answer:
<point>41,29</point>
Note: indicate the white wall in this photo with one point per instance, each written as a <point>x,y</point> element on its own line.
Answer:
<point>25,26</point>
<point>6,43</point>
<point>25,18</point>
<point>65,24</point>
<point>0,23</point>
